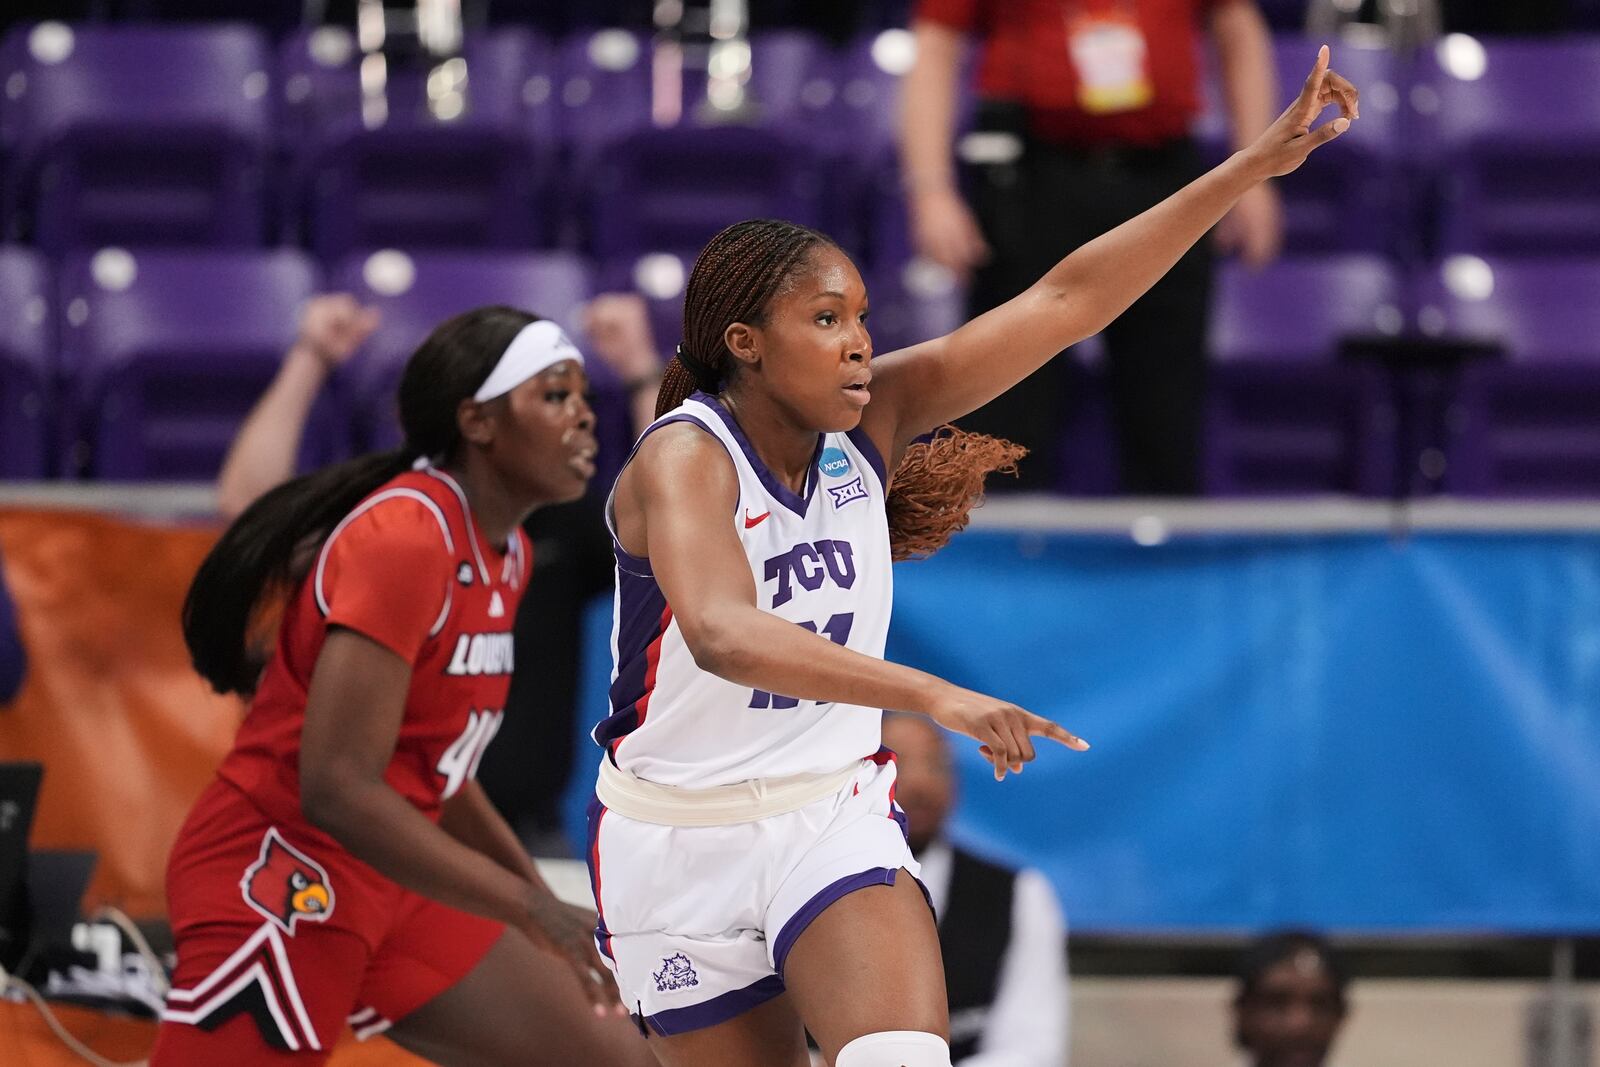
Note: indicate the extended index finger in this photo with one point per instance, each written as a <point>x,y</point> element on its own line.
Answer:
<point>1039,726</point>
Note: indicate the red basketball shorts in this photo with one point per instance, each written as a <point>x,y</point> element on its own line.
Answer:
<point>283,938</point>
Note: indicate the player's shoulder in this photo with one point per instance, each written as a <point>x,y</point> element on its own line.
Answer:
<point>403,515</point>
<point>682,454</point>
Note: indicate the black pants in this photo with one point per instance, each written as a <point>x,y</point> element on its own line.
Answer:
<point>527,768</point>
<point>1033,213</point>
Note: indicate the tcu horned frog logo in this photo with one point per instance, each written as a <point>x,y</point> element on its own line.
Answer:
<point>286,885</point>
<point>676,973</point>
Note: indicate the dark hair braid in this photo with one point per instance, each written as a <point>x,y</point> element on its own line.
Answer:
<point>734,279</point>
<point>270,544</point>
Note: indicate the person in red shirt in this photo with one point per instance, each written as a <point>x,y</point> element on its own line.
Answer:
<point>1093,101</point>
<point>344,867</point>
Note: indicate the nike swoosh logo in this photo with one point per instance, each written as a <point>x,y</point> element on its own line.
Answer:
<point>749,523</point>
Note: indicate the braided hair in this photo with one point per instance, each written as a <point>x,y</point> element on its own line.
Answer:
<point>737,275</point>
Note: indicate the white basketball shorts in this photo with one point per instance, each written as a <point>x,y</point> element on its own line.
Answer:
<point>696,922</point>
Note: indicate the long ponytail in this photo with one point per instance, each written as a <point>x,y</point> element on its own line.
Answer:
<point>255,561</point>
<point>938,482</point>
<point>270,545</point>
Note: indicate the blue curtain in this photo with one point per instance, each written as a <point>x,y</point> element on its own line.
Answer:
<point>1345,731</point>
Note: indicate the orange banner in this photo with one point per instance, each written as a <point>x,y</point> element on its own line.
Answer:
<point>127,732</point>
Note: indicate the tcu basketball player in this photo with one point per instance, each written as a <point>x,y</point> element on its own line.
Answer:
<point>345,868</point>
<point>745,849</point>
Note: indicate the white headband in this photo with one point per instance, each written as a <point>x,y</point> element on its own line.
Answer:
<point>537,347</point>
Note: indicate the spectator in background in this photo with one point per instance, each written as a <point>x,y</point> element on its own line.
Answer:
<point>1001,931</point>
<point>1099,95</point>
<point>332,328</point>
<point>526,771</point>
<point>1291,1000</point>
<point>13,657</point>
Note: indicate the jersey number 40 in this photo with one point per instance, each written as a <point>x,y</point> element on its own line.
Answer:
<point>460,761</point>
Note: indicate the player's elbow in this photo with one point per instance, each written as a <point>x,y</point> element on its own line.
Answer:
<point>717,643</point>
<point>327,799</point>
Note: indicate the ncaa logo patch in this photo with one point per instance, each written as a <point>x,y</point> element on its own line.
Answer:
<point>464,574</point>
<point>286,885</point>
<point>676,973</point>
<point>834,463</point>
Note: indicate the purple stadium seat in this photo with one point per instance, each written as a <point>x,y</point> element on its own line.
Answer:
<point>466,178</point>
<point>1514,126</point>
<point>1351,199</point>
<point>870,70</point>
<point>1282,415</point>
<point>1528,426</point>
<point>602,92</point>
<point>414,293</point>
<point>603,88</point>
<point>163,353</point>
<point>673,189</point>
<point>794,81</point>
<point>135,134</point>
<point>26,371</point>
<point>912,303</point>
<point>791,84</point>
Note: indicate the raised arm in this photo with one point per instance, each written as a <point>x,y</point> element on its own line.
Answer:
<point>262,455</point>
<point>930,384</point>
<point>942,225</point>
<point>618,326</point>
<point>698,561</point>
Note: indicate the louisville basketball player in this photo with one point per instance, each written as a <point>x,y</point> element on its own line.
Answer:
<point>345,868</point>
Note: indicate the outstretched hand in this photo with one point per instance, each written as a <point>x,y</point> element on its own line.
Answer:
<point>1288,141</point>
<point>1005,731</point>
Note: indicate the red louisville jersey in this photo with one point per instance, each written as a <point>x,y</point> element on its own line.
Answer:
<point>409,569</point>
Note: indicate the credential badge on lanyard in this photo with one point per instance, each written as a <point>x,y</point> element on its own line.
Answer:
<point>1109,53</point>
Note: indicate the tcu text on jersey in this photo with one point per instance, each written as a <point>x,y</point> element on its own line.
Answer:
<point>477,654</point>
<point>811,565</point>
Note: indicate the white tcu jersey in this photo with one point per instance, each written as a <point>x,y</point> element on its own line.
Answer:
<point>819,559</point>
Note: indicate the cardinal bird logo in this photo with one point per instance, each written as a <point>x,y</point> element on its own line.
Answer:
<point>286,885</point>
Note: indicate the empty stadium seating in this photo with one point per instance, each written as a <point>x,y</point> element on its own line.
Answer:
<point>163,352</point>
<point>555,162</point>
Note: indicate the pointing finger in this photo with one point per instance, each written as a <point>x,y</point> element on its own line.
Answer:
<point>1039,726</point>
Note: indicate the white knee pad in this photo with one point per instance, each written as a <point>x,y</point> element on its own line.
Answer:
<point>895,1048</point>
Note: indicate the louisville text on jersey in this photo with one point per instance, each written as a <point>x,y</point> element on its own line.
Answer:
<point>477,654</point>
